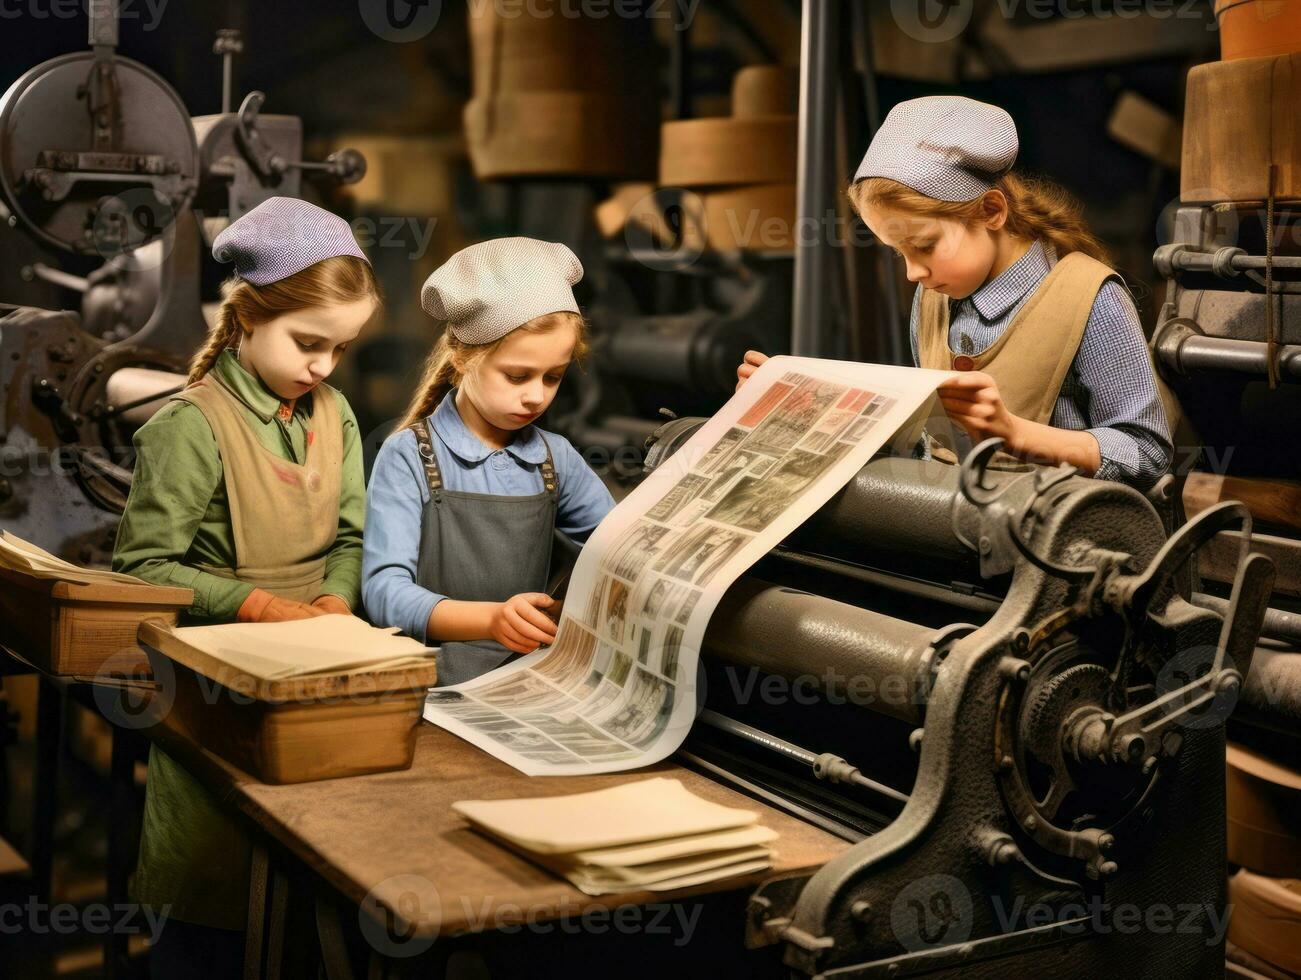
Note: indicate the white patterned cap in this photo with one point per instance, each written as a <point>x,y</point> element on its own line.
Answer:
<point>281,236</point>
<point>487,290</point>
<point>944,146</point>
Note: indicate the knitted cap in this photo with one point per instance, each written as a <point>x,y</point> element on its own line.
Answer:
<point>487,290</point>
<point>281,236</point>
<point>944,146</point>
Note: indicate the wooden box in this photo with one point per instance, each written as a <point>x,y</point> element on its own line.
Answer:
<point>293,730</point>
<point>1239,118</point>
<point>83,630</point>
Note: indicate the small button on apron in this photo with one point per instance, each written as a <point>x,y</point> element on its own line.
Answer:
<point>963,363</point>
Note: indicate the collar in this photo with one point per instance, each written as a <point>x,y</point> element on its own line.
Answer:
<point>247,387</point>
<point>448,425</point>
<point>1013,284</point>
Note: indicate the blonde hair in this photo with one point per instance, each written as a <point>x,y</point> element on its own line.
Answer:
<point>1036,208</point>
<point>244,306</point>
<point>441,374</point>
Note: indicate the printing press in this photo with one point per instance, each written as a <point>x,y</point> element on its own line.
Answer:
<point>104,164</point>
<point>995,684</point>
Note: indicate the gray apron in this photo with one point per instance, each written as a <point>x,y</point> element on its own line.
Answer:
<point>482,547</point>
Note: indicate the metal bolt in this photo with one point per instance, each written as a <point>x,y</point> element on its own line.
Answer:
<point>1130,748</point>
<point>1014,669</point>
<point>1106,842</point>
<point>1031,822</point>
<point>861,910</point>
<point>1006,763</point>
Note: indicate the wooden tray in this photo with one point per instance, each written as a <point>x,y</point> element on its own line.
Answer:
<point>83,630</point>
<point>293,730</point>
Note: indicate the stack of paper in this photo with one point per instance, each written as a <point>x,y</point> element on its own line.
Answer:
<point>651,835</point>
<point>22,556</point>
<point>300,648</point>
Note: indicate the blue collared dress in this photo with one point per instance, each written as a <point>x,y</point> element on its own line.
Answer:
<point>398,493</point>
<point>1110,390</point>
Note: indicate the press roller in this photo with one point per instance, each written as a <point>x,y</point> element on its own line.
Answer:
<point>993,682</point>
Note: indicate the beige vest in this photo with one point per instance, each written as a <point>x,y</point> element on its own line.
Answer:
<point>285,516</point>
<point>1030,363</point>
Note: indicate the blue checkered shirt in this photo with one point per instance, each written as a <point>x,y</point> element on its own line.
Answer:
<point>1109,391</point>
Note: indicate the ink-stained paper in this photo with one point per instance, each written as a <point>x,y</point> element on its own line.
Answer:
<point>618,687</point>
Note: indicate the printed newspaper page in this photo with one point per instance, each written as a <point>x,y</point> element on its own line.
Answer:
<point>617,688</point>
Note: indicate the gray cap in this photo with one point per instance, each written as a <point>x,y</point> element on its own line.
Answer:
<point>944,146</point>
<point>487,290</point>
<point>281,236</point>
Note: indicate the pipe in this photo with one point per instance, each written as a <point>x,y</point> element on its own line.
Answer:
<point>132,389</point>
<point>782,747</point>
<point>1185,350</point>
<point>815,191</point>
<point>1279,623</point>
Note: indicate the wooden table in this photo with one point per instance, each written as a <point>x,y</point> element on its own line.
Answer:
<point>390,842</point>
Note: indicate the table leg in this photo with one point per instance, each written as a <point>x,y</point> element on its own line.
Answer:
<point>121,838</point>
<point>257,906</point>
<point>334,951</point>
<point>49,735</point>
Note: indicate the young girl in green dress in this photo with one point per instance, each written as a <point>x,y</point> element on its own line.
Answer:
<point>249,490</point>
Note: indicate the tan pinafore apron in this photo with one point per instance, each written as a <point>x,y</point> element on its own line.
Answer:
<point>285,516</point>
<point>1031,358</point>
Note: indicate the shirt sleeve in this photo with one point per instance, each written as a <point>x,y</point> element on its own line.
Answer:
<point>343,563</point>
<point>584,499</point>
<point>391,547</point>
<point>178,468</point>
<point>1123,411</point>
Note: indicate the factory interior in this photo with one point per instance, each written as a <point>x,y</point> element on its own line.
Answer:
<point>1092,764</point>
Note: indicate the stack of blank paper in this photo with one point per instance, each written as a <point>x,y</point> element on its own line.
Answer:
<point>650,835</point>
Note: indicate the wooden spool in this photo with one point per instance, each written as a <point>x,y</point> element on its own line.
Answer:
<point>1258,28</point>
<point>766,90</point>
<point>758,218</point>
<point>1266,919</point>
<point>583,134</point>
<point>1239,118</point>
<point>727,151</point>
<point>558,95</point>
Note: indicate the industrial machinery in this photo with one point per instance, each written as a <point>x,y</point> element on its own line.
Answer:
<point>996,685</point>
<point>99,158</point>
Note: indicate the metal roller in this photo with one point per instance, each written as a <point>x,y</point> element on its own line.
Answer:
<point>796,635</point>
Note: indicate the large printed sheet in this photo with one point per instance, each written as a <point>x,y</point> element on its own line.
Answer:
<point>618,687</point>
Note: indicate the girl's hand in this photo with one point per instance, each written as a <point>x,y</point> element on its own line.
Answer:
<point>280,610</point>
<point>331,604</point>
<point>753,359</point>
<point>522,623</point>
<point>973,400</point>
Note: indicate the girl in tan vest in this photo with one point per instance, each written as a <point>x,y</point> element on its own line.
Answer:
<point>1014,292</point>
<point>249,490</point>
